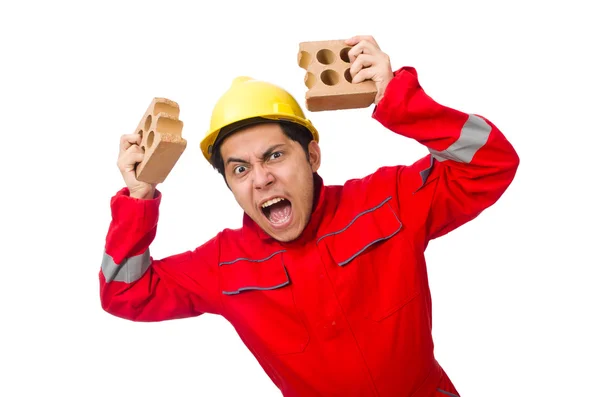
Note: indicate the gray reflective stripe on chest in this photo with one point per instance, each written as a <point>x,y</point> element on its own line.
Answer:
<point>130,270</point>
<point>252,260</point>
<point>256,288</point>
<point>447,393</point>
<point>355,218</point>
<point>346,261</point>
<point>425,174</point>
<point>473,135</point>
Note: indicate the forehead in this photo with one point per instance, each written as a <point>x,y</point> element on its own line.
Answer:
<point>254,139</point>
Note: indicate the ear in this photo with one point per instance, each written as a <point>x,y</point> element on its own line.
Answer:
<point>314,155</point>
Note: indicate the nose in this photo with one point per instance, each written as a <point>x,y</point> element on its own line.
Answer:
<point>262,177</point>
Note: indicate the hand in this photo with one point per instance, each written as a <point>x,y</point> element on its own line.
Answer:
<point>130,154</point>
<point>369,62</point>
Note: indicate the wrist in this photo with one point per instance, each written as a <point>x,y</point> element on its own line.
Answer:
<point>142,194</point>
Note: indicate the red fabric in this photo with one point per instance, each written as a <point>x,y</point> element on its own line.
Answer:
<point>345,310</point>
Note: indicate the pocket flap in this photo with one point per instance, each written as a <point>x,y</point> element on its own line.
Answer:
<point>366,229</point>
<point>244,274</point>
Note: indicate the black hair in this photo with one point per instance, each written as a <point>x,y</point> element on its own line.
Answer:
<point>293,131</point>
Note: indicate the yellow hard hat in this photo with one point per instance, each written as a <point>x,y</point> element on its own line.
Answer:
<point>248,99</point>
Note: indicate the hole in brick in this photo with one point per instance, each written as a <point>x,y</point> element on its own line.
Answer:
<point>309,80</point>
<point>150,140</point>
<point>348,76</point>
<point>344,54</point>
<point>330,77</point>
<point>325,56</point>
<point>141,134</point>
<point>304,59</point>
<point>148,122</point>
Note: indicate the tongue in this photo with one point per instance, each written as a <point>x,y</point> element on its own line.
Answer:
<point>280,211</point>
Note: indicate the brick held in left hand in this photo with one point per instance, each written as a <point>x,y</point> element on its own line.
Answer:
<point>328,78</point>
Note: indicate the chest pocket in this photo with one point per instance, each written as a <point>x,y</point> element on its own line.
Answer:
<point>372,265</point>
<point>259,301</point>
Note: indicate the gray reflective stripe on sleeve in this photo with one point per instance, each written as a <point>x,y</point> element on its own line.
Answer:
<point>130,270</point>
<point>473,136</point>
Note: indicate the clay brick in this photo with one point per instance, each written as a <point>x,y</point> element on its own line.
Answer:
<point>162,142</point>
<point>328,77</point>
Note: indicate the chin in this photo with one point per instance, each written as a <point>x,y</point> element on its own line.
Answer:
<point>286,237</point>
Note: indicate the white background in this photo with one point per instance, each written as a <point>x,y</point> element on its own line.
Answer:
<point>515,292</point>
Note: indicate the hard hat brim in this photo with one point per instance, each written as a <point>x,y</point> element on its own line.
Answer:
<point>207,144</point>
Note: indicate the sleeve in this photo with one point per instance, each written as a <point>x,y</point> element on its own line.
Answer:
<point>137,287</point>
<point>469,166</point>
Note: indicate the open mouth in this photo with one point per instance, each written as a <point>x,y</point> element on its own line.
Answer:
<point>278,210</point>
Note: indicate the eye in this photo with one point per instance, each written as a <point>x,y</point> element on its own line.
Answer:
<point>276,155</point>
<point>239,169</point>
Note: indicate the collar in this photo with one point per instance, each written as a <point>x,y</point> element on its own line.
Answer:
<point>310,229</point>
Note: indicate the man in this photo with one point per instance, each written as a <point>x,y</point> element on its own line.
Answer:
<point>326,285</point>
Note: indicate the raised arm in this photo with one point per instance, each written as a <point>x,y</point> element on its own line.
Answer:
<point>470,165</point>
<point>134,285</point>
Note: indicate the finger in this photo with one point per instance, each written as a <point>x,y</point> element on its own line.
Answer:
<point>357,39</point>
<point>364,47</point>
<point>129,161</point>
<point>130,139</point>
<point>364,74</point>
<point>361,62</point>
<point>133,155</point>
<point>134,149</point>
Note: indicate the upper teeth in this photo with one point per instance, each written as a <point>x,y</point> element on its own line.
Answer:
<point>271,202</point>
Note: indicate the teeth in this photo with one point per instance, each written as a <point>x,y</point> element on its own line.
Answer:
<point>272,201</point>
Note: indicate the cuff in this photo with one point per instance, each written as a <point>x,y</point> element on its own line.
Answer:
<point>133,222</point>
<point>397,93</point>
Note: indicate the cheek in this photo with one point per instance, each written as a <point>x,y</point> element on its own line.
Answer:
<point>302,187</point>
<point>242,195</point>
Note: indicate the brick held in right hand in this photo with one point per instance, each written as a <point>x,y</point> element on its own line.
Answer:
<point>162,141</point>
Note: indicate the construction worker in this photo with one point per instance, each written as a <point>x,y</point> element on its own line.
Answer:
<point>326,285</point>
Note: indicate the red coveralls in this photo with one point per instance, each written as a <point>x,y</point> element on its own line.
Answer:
<point>345,310</point>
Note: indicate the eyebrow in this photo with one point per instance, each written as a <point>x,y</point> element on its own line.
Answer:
<point>265,154</point>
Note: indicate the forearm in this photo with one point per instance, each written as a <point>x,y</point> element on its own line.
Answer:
<point>449,134</point>
<point>133,225</point>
